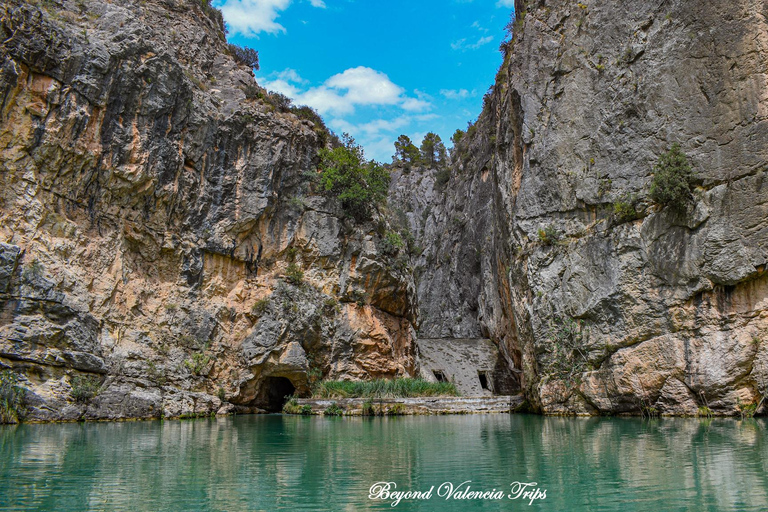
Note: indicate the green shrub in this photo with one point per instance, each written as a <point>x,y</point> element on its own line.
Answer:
<point>625,209</point>
<point>198,363</point>
<point>705,411</point>
<point>396,410</point>
<point>244,55</point>
<point>392,243</point>
<point>11,398</point>
<point>155,374</point>
<point>260,306</point>
<point>359,186</point>
<point>294,274</point>
<point>383,388</point>
<point>549,235</point>
<point>673,179</point>
<point>84,388</point>
<point>333,410</point>
<point>442,177</point>
<point>368,409</point>
<point>746,410</point>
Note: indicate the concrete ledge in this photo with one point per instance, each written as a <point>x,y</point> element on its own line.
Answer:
<point>418,406</point>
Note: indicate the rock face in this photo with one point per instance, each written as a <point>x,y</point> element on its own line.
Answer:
<point>669,311</point>
<point>148,213</point>
<point>157,212</point>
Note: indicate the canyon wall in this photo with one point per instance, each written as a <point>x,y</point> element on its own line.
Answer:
<point>663,313</point>
<point>156,214</point>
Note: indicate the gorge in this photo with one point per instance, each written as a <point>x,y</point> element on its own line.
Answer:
<point>163,237</point>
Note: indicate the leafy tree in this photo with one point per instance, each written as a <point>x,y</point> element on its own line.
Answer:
<point>673,179</point>
<point>433,152</point>
<point>244,55</point>
<point>360,186</point>
<point>406,152</point>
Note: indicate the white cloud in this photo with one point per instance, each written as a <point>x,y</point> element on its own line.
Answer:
<point>366,86</point>
<point>461,44</point>
<point>341,93</point>
<point>506,3</point>
<point>252,17</point>
<point>453,94</point>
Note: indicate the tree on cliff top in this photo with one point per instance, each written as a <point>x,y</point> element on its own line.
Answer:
<point>406,152</point>
<point>244,55</point>
<point>433,153</point>
<point>360,186</point>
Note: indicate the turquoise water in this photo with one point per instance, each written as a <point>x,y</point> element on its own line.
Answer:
<point>299,463</point>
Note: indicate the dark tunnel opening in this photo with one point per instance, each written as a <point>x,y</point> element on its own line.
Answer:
<point>278,389</point>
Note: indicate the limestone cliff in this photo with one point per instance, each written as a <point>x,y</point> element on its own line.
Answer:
<point>151,205</point>
<point>667,312</point>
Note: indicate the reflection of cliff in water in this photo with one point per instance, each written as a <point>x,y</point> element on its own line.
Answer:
<point>256,462</point>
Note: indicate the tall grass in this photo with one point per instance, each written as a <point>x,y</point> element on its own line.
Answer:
<point>381,388</point>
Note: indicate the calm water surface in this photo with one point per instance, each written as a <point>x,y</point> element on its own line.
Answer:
<point>298,463</point>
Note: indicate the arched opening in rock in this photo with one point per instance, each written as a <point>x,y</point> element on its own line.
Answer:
<point>276,392</point>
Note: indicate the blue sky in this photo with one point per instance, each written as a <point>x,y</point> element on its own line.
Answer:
<point>376,69</point>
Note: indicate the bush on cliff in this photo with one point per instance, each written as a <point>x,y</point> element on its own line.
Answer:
<point>11,398</point>
<point>673,179</point>
<point>360,186</point>
<point>245,56</point>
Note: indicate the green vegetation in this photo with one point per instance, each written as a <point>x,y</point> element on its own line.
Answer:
<point>333,410</point>
<point>213,13</point>
<point>625,209</point>
<point>361,187</point>
<point>673,179</point>
<point>381,388</point>
<point>84,388</point>
<point>747,410</point>
<point>406,153</point>
<point>294,274</point>
<point>198,363</point>
<point>705,411</point>
<point>11,398</point>
<point>396,410</point>
<point>292,407</point>
<point>433,153</point>
<point>549,235</point>
<point>567,360</point>
<point>156,374</point>
<point>244,55</point>
<point>368,409</point>
<point>392,243</point>
<point>260,306</point>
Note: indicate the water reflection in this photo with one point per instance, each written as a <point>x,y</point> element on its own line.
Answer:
<point>297,463</point>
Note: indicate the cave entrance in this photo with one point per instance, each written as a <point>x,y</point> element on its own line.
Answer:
<point>278,389</point>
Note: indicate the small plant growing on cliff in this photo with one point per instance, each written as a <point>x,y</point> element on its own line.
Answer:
<point>368,409</point>
<point>359,186</point>
<point>244,55</point>
<point>705,411</point>
<point>333,410</point>
<point>392,243</point>
<point>260,306</point>
<point>198,363</point>
<point>549,235</point>
<point>567,360</point>
<point>11,398</point>
<point>746,410</point>
<point>156,374</point>
<point>294,274</point>
<point>625,209</point>
<point>673,179</point>
<point>84,388</point>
